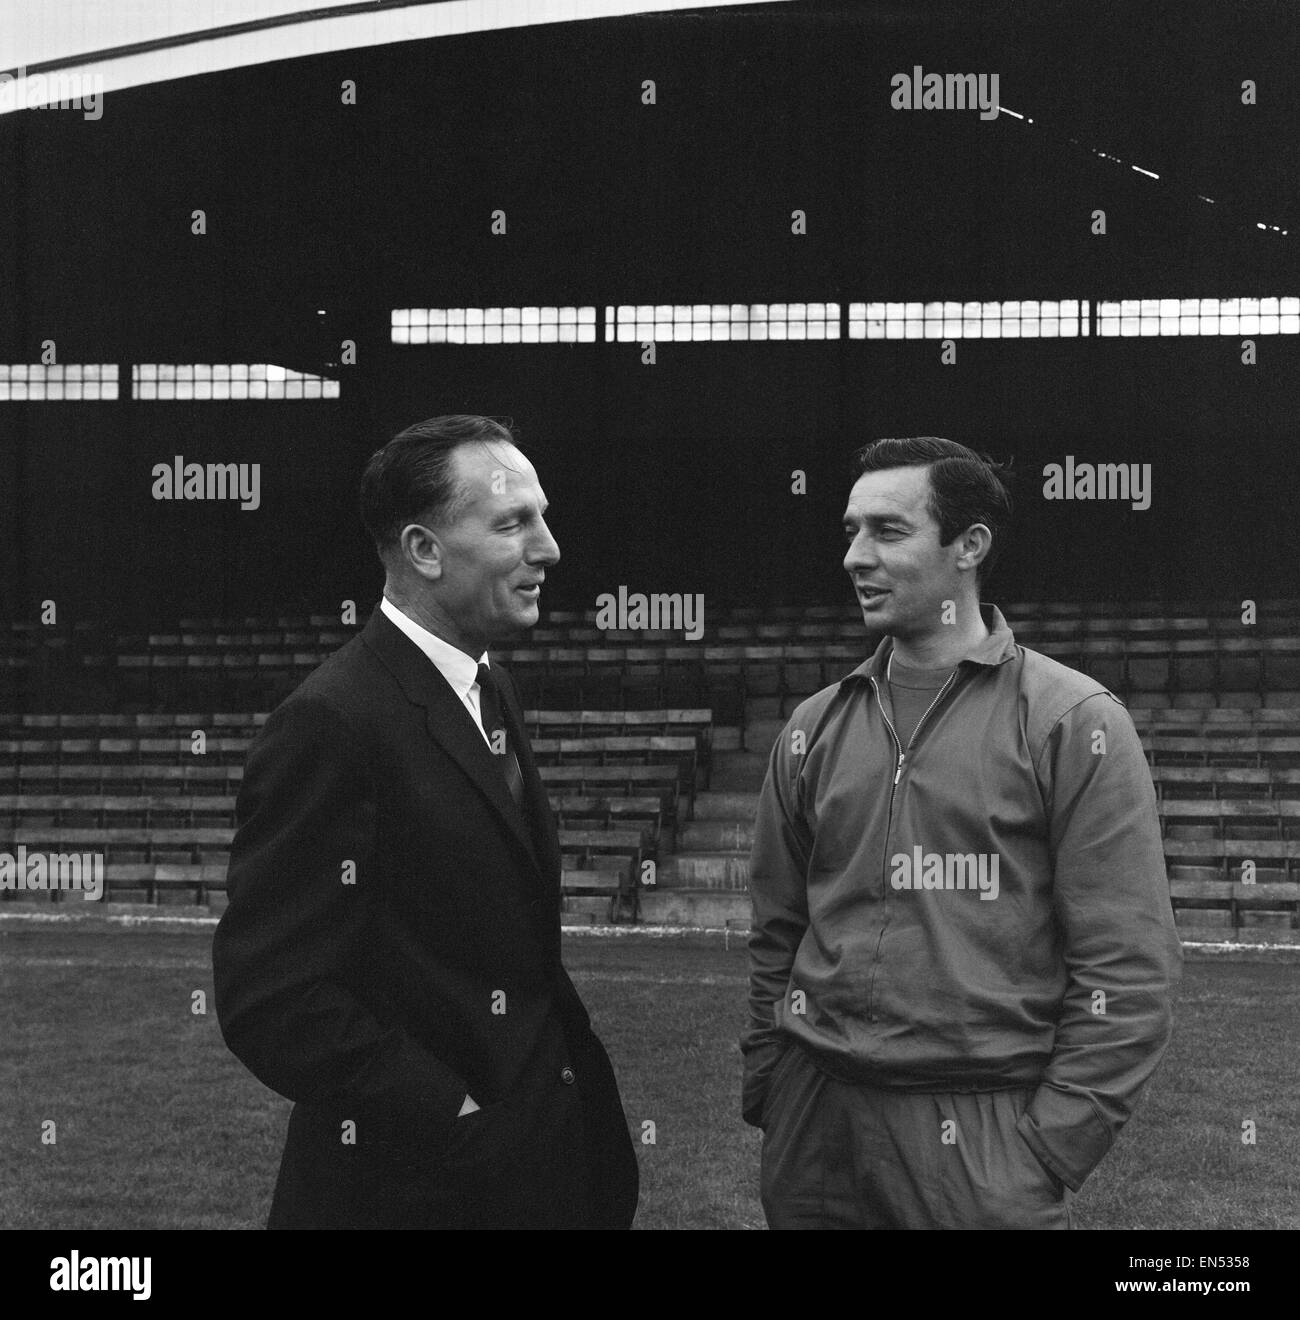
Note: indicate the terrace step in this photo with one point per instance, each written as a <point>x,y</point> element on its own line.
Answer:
<point>739,771</point>
<point>726,806</point>
<point>710,908</point>
<point>703,870</point>
<point>716,836</point>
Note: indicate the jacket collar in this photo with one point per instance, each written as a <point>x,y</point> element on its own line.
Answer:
<point>459,669</point>
<point>450,724</point>
<point>998,647</point>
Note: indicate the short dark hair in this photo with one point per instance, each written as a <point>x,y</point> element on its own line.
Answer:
<point>411,479</point>
<point>965,487</point>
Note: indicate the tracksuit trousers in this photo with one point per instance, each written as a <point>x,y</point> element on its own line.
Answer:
<point>845,1155</point>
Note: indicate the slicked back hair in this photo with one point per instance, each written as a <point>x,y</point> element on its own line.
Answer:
<point>412,478</point>
<point>965,487</point>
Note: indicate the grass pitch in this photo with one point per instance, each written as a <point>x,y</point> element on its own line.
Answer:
<point>158,1126</point>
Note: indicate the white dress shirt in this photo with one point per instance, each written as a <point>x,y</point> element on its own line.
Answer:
<point>453,664</point>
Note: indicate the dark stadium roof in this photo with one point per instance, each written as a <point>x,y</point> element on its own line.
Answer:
<point>312,204</point>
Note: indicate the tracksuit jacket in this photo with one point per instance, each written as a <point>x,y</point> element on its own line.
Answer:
<point>982,910</point>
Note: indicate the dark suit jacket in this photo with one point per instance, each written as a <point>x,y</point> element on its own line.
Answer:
<point>391,944</point>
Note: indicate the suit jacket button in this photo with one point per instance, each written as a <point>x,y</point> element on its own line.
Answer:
<point>567,1076</point>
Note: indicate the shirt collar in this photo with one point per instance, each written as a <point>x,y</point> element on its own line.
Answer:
<point>459,669</point>
<point>998,646</point>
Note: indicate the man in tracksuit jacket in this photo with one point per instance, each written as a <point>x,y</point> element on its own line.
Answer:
<point>963,953</point>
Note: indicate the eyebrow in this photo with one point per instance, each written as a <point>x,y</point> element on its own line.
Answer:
<point>518,510</point>
<point>877,519</point>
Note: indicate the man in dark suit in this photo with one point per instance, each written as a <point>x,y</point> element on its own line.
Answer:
<point>390,956</point>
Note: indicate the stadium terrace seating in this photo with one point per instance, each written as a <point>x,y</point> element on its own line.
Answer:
<point>651,747</point>
<point>1221,781</point>
<point>1252,749</point>
<point>1156,659</point>
<point>164,815</point>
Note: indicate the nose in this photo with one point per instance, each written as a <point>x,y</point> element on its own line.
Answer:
<point>861,555</point>
<point>545,549</point>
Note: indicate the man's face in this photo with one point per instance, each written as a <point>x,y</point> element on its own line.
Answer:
<point>496,553</point>
<point>901,573</point>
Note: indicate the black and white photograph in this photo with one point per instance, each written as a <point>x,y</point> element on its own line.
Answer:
<point>649,616</point>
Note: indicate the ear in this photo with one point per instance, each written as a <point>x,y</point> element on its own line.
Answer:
<point>974,545</point>
<point>421,549</point>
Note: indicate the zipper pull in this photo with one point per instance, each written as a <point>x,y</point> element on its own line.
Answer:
<point>899,771</point>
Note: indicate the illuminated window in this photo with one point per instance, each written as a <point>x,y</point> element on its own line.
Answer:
<point>1199,316</point>
<point>1030,319</point>
<point>1014,318</point>
<point>697,322</point>
<point>493,325</point>
<point>33,382</point>
<point>227,380</point>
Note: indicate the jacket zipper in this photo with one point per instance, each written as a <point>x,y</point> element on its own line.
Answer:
<point>889,819</point>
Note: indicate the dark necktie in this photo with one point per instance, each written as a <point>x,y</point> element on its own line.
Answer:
<point>494,725</point>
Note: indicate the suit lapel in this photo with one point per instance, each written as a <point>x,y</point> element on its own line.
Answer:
<point>451,726</point>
